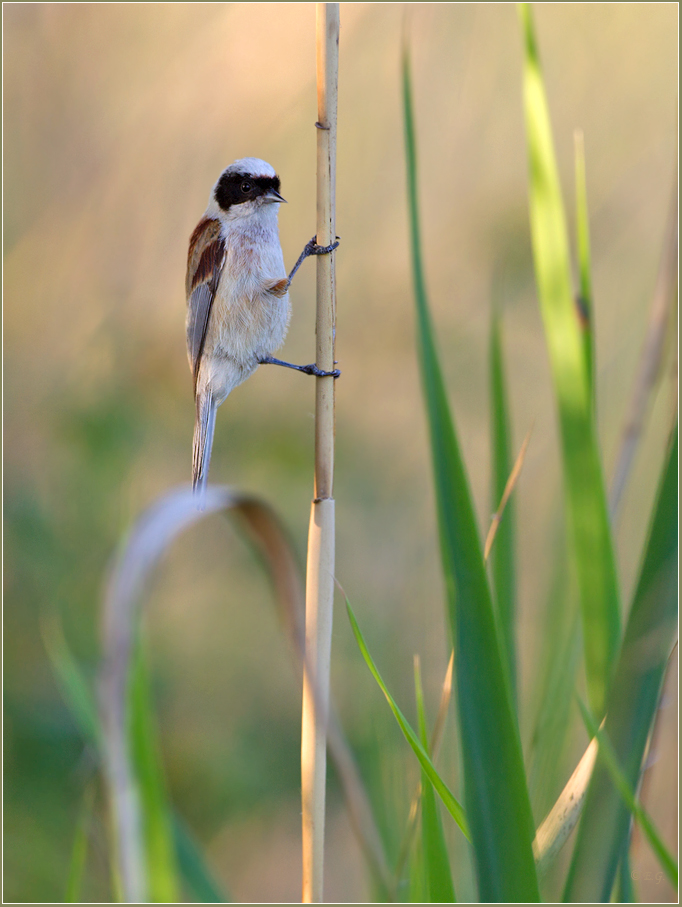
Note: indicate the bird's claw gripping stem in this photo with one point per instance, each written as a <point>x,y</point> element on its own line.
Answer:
<point>311,248</point>
<point>318,373</point>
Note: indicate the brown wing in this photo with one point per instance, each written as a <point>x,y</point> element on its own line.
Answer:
<point>280,288</point>
<point>204,265</point>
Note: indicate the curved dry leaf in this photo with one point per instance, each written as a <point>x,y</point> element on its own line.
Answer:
<point>555,829</point>
<point>146,544</point>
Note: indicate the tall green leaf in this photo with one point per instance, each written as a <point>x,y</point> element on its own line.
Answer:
<point>584,484</point>
<point>554,717</point>
<point>553,684</point>
<point>439,886</point>
<point>632,701</point>
<point>195,873</point>
<point>80,699</point>
<point>628,796</point>
<point>73,686</point>
<point>498,809</point>
<point>158,832</point>
<point>444,791</point>
<point>416,892</point>
<point>626,893</point>
<point>582,227</point>
<point>79,851</point>
<point>502,560</point>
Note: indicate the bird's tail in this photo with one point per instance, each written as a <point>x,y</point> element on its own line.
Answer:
<point>204,426</point>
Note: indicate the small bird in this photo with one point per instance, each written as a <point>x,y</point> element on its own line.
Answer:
<point>237,294</point>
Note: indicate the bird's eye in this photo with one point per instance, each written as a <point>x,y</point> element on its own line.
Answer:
<point>246,187</point>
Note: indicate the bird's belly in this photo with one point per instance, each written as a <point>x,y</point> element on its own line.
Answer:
<point>249,323</point>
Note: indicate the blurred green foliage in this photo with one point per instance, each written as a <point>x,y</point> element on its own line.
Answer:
<point>118,119</point>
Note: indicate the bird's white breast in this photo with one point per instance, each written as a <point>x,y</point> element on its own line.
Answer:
<point>250,322</point>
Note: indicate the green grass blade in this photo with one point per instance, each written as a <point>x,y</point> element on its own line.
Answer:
<point>444,792</point>
<point>73,686</point>
<point>417,893</point>
<point>633,699</point>
<point>440,889</point>
<point>610,760</point>
<point>502,559</point>
<point>78,696</point>
<point>586,498</point>
<point>158,835</point>
<point>626,893</point>
<point>553,721</point>
<point>79,850</point>
<point>554,680</point>
<point>193,869</point>
<point>582,226</point>
<point>498,809</point>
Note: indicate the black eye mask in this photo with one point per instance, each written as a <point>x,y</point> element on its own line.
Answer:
<point>235,188</point>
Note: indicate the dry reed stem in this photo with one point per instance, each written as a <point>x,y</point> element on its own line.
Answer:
<point>321,543</point>
<point>269,538</point>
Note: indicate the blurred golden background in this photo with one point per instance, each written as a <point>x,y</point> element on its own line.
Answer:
<point>118,120</point>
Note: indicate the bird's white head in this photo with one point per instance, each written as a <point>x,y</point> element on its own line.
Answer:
<point>249,187</point>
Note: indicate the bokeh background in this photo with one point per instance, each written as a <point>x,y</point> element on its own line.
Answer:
<point>118,119</point>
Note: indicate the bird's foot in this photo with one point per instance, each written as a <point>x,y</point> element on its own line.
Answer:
<point>306,369</point>
<point>312,248</point>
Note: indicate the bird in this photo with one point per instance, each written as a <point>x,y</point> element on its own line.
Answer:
<point>237,289</point>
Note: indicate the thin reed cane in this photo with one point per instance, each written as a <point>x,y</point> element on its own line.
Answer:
<point>320,570</point>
